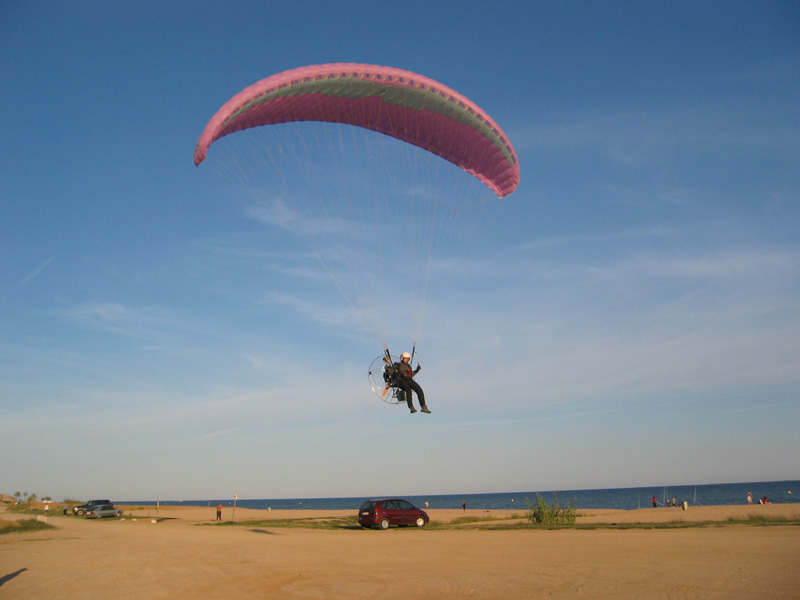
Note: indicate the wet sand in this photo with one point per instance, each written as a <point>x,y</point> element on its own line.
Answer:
<point>177,557</point>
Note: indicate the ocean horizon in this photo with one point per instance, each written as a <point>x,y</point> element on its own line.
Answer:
<point>715,494</point>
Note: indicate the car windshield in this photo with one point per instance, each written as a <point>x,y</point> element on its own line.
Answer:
<point>368,505</point>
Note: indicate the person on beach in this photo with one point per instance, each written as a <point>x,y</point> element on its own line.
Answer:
<point>464,505</point>
<point>655,501</point>
<point>404,376</point>
<point>749,497</point>
<point>219,512</point>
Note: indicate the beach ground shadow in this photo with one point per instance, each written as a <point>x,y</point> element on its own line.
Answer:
<point>11,576</point>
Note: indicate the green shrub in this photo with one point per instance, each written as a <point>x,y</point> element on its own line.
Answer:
<point>23,526</point>
<point>543,513</point>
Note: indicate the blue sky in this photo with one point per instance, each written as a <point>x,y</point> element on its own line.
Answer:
<point>629,316</point>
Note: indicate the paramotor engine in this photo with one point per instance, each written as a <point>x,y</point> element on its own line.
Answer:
<point>382,382</point>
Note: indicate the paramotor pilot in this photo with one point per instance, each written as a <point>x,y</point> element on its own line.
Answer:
<point>404,379</point>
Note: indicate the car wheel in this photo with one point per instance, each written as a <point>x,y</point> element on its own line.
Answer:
<point>79,513</point>
<point>420,522</point>
<point>384,523</point>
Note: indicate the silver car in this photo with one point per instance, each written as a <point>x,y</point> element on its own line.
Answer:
<point>103,510</point>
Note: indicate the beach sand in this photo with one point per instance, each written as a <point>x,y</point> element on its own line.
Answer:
<point>176,557</point>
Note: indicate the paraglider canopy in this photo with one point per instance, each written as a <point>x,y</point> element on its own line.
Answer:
<point>398,103</point>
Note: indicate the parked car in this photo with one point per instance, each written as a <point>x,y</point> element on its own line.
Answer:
<point>98,511</point>
<point>391,511</point>
<point>81,509</point>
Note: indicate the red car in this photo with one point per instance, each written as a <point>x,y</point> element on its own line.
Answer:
<point>391,511</point>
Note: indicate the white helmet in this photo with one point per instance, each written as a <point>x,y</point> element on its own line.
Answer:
<point>405,355</point>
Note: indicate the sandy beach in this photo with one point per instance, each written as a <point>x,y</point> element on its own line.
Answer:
<point>175,556</point>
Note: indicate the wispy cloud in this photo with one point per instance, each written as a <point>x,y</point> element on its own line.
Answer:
<point>216,434</point>
<point>35,273</point>
<point>148,323</point>
<point>639,137</point>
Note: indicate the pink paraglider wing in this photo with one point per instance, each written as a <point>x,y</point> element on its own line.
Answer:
<point>398,103</point>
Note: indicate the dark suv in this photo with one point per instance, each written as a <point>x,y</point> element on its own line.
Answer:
<point>391,511</point>
<point>83,508</point>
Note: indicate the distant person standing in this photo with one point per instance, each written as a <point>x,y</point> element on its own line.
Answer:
<point>749,497</point>
<point>219,512</point>
<point>655,501</point>
<point>464,505</point>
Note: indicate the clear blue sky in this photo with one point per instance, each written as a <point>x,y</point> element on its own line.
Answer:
<point>632,316</point>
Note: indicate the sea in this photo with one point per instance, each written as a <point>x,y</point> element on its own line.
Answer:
<point>715,494</point>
